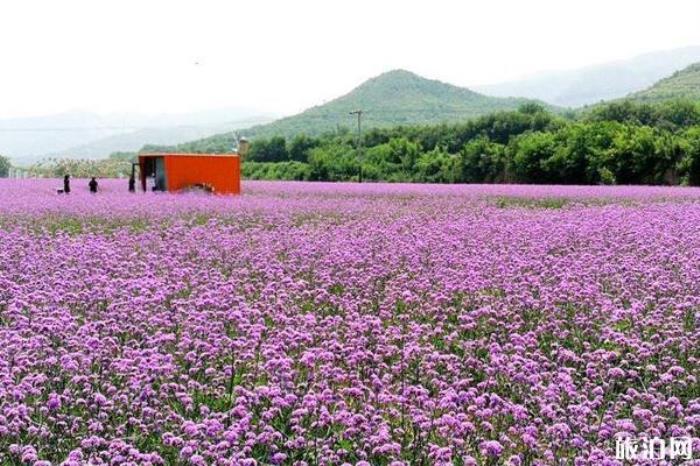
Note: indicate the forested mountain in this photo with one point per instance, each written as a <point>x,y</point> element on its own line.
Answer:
<point>396,97</point>
<point>684,84</point>
<point>593,84</point>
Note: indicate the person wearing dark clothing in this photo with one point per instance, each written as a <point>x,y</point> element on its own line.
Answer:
<point>93,185</point>
<point>160,185</point>
<point>132,184</point>
<point>66,184</point>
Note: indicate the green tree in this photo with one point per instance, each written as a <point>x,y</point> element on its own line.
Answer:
<point>438,166</point>
<point>690,165</point>
<point>483,161</point>
<point>333,163</point>
<point>300,147</point>
<point>269,150</point>
<point>529,153</point>
<point>633,155</point>
<point>670,149</point>
<point>530,108</point>
<point>626,111</point>
<point>4,166</point>
<point>678,114</point>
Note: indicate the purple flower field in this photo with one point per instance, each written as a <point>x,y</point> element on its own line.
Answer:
<point>330,324</point>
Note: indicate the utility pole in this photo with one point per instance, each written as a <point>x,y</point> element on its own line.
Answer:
<point>359,143</point>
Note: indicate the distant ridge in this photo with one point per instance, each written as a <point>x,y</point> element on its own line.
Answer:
<point>592,84</point>
<point>88,135</point>
<point>683,84</point>
<point>169,135</point>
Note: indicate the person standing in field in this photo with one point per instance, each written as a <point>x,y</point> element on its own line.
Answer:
<point>66,184</point>
<point>93,185</point>
<point>132,184</point>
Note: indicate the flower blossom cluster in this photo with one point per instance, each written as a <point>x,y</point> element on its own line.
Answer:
<point>341,324</point>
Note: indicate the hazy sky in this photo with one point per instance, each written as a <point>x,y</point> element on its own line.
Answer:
<point>282,56</point>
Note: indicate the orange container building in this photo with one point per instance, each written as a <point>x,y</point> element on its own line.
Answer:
<point>173,172</point>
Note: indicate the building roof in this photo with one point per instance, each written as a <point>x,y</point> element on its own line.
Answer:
<point>183,154</point>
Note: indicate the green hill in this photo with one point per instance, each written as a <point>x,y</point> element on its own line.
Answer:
<point>394,98</point>
<point>683,84</point>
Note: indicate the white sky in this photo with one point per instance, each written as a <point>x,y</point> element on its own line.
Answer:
<point>283,56</point>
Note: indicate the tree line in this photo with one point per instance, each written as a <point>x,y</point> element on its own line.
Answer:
<point>617,143</point>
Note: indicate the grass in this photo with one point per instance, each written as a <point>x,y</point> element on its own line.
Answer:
<point>505,202</point>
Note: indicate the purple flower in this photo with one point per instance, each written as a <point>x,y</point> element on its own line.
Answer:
<point>491,448</point>
<point>54,402</point>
